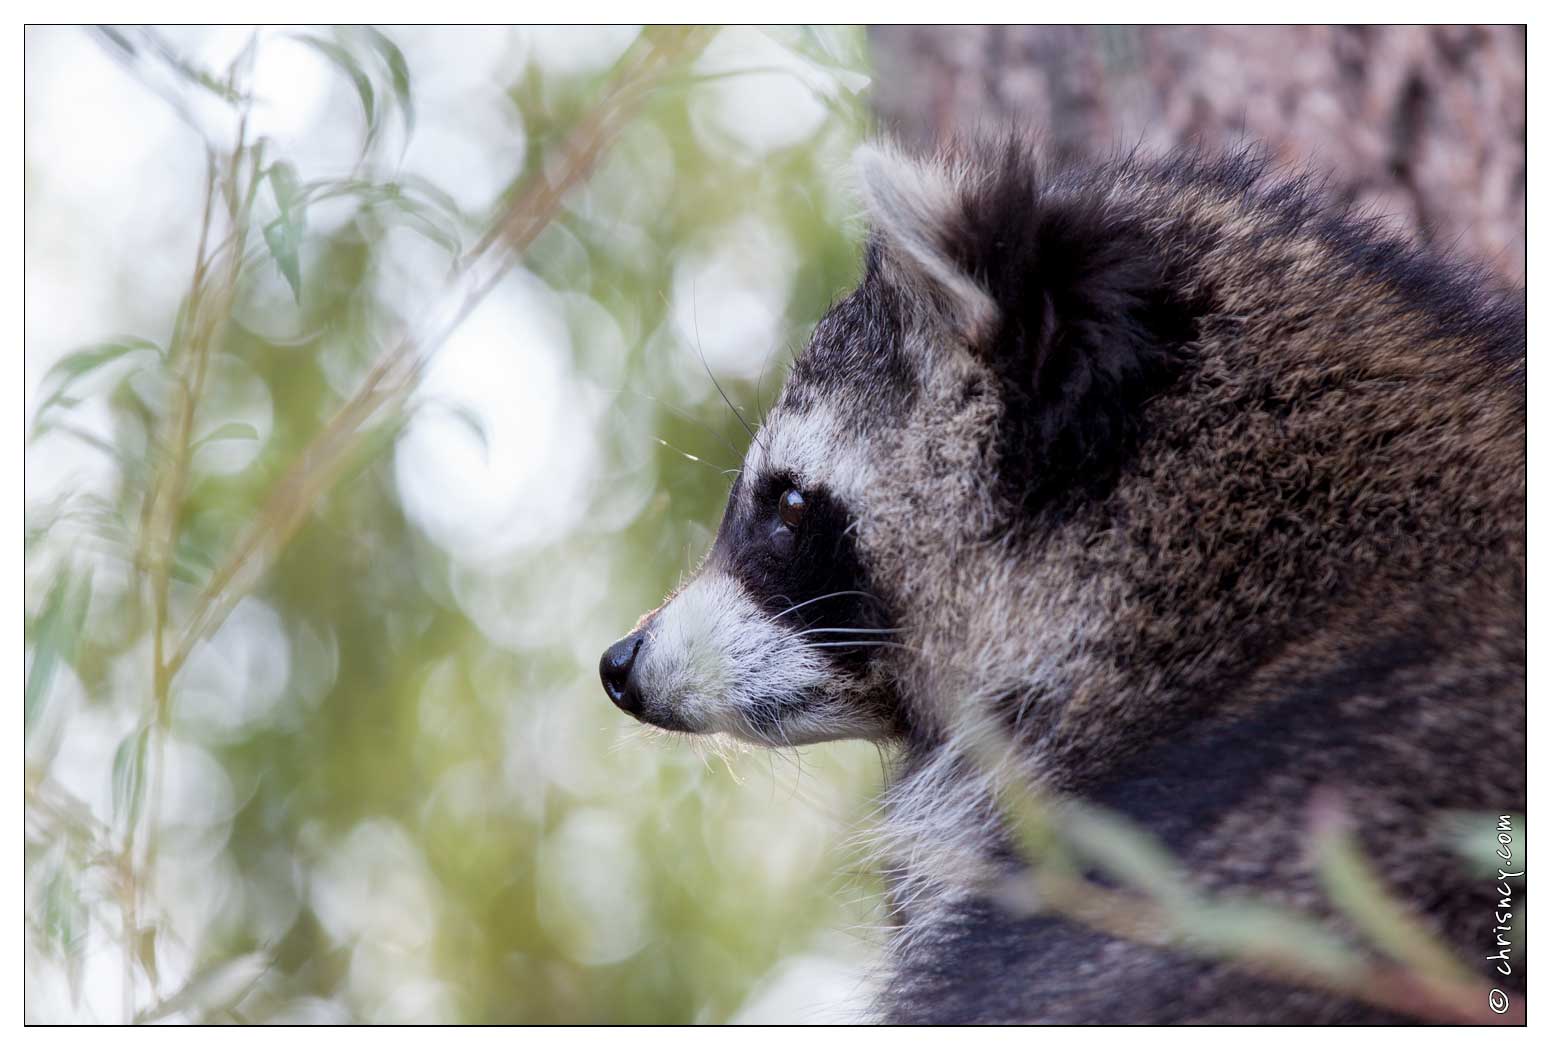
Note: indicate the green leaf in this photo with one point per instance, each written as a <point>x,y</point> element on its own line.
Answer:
<point>84,436</point>
<point>445,238</point>
<point>283,235</point>
<point>416,202</point>
<point>1358,891</point>
<point>352,69</point>
<point>1125,852</point>
<point>218,987</point>
<point>57,632</point>
<point>285,186</point>
<point>78,364</point>
<point>76,367</point>
<point>283,244</point>
<point>45,659</point>
<point>398,72</point>
<point>129,776</point>
<point>1247,929</point>
<point>1474,837</point>
<point>65,923</point>
<point>234,431</point>
<point>62,911</point>
<point>190,72</point>
<point>432,194</point>
<point>192,559</point>
<point>145,951</point>
<point>117,39</point>
<point>430,216</point>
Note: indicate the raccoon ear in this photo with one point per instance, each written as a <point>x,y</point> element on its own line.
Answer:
<point>1093,319</point>
<point>914,207</point>
<point>1068,297</point>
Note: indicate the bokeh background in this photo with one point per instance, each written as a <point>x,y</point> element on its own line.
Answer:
<point>376,380</point>
<point>388,786</point>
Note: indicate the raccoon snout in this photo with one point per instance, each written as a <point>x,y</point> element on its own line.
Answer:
<point>615,667</point>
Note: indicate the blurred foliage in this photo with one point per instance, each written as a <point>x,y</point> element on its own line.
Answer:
<point>313,726</point>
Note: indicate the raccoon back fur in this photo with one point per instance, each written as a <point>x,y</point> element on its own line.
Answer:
<point>1198,498</point>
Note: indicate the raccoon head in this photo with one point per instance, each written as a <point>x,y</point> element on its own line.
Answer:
<point>992,361</point>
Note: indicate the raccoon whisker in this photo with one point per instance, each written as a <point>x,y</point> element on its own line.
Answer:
<point>821,598</point>
<point>860,643</point>
<point>691,456</point>
<point>686,417</point>
<point>883,760</point>
<point>633,737</point>
<point>849,631</point>
<point>796,791</point>
<point>694,306</point>
<point>796,755</point>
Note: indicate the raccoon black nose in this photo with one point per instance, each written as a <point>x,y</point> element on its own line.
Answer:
<point>614,669</point>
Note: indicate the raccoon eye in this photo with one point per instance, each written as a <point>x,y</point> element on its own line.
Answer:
<point>791,508</point>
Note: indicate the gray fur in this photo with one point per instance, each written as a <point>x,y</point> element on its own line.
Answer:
<point>1306,573</point>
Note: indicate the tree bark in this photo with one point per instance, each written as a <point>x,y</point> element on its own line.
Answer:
<point>1422,124</point>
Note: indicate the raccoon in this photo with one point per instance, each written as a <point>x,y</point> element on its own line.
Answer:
<point>1196,496</point>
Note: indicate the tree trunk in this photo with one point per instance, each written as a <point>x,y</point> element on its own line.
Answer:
<point>1422,124</point>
